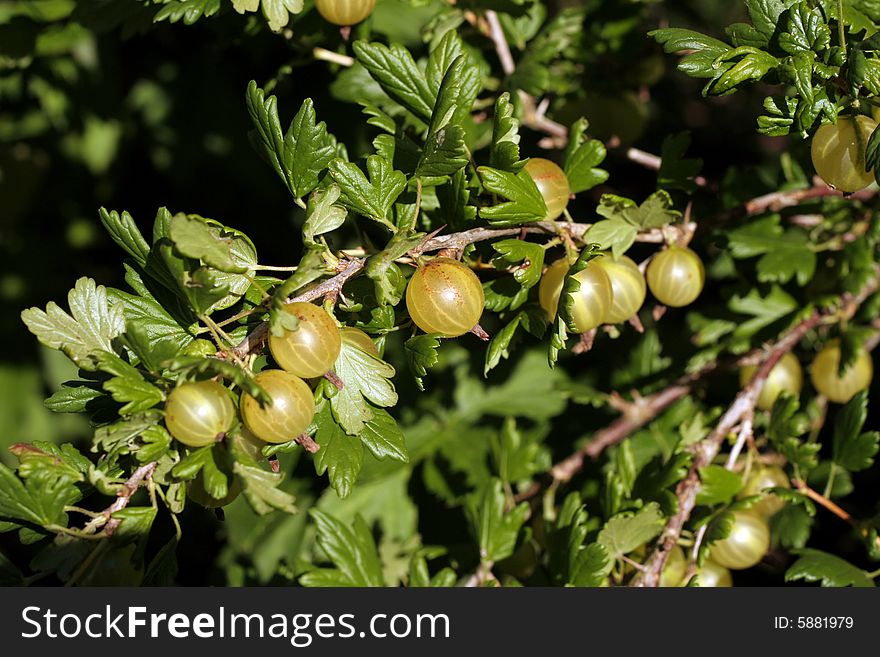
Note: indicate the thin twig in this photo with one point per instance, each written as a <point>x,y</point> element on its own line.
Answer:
<point>123,497</point>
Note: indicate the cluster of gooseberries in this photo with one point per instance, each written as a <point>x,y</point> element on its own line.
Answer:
<point>787,376</point>
<point>201,413</point>
<point>611,289</point>
<point>748,541</point>
<point>838,153</point>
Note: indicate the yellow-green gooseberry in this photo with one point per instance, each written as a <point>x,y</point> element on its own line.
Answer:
<point>759,480</point>
<point>310,350</point>
<point>746,545</point>
<point>289,414</point>
<point>344,12</point>
<point>354,336</point>
<point>628,288</point>
<point>712,575</point>
<point>837,388</point>
<point>200,413</point>
<point>786,376</point>
<point>590,304</point>
<point>552,182</point>
<point>838,153</point>
<point>445,296</point>
<point>676,276</point>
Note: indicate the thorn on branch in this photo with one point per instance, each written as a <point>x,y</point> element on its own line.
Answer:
<point>585,342</point>
<point>305,440</point>
<point>480,332</point>
<point>334,379</point>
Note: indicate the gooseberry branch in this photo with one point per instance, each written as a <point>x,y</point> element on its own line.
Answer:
<point>706,450</point>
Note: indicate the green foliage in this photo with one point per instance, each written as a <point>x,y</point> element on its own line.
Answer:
<point>561,462</point>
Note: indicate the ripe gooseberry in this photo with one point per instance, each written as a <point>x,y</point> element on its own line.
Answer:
<point>760,479</point>
<point>746,545</point>
<point>786,376</point>
<point>711,575</point>
<point>313,347</point>
<point>291,411</point>
<point>825,377</point>
<point>628,288</point>
<point>590,303</point>
<point>446,297</point>
<point>197,493</point>
<point>345,12</point>
<point>356,337</point>
<point>676,276</point>
<point>838,153</point>
<point>675,568</point>
<point>200,413</point>
<point>552,182</point>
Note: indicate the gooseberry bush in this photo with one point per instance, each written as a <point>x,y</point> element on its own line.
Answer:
<point>507,345</point>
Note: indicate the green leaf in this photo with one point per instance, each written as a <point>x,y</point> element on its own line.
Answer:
<point>702,50</point>
<point>817,566</point>
<point>852,449</point>
<point>383,437</point>
<point>676,170</point>
<point>341,455</point>
<point>193,237</point>
<point>445,153</point>
<point>753,66</point>
<point>448,97</point>
<point>448,50</point>
<point>120,435</point>
<point>763,310</point>
<point>73,397</point>
<point>532,318</point>
<point>261,489</point>
<point>421,355</point>
<point>786,425</point>
<point>189,11</point>
<point>374,197</point>
<point>351,549</point>
<point>124,231</point>
<point>364,377</point>
<point>785,253</point>
<point>322,214</point>
<point>654,212</point>
<point>147,323</point>
<point>127,385</point>
<point>40,499</point>
<point>504,150</point>
<point>276,12</point>
<point>399,76</point>
<point>790,527</point>
<point>571,562</point>
<point>382,269</point>
<point>525,203</point>
<point>299,155</point>
<point>765,14</point>
<point>807,30</point>
<point>211,462</point>
<point>89,329</point>
<point>615,234</point>
<point>626,531</point>
<point>512,252</point>
<point>718,485</point>
<point>582,158</point>
<point>494,528</point>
